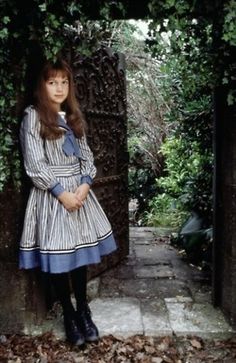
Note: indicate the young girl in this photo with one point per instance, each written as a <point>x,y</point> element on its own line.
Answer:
<point>65,228</point>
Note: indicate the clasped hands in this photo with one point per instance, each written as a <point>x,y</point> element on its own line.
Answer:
<point>73,201</point>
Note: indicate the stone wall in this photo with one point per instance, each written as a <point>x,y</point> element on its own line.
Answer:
<point>21,304</point>
<point>224,254</point>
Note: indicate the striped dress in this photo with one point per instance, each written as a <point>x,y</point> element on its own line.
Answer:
<point>52,238</point>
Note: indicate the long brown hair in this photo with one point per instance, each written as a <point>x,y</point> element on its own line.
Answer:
<point>48,116</point>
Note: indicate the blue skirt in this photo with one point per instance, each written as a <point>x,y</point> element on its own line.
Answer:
<point>64,261</point>
<point>59,241</point>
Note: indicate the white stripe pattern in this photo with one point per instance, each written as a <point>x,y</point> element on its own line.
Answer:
<point>48,226</point>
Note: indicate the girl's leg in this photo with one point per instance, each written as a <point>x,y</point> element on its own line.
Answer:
<point>61,286</point>
<point>79,283</point>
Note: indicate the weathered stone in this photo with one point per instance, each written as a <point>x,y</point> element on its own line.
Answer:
<point>3,339</point>
<point>155,252</point>
<point>120,317</point>
<point>141,241</point>
<point>142,288</point>
<point>155,318</point>
<point>197,319</point>
<point>141,232</point>
<point>22,302</point>
<point>201,293</point>
<point>154,272</point>
<point>154,294</point>
<point>179,299</point>
<point>22,298</point>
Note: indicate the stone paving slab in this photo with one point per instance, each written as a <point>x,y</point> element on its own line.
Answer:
<point>127,316</point>
<point>142,237</point>
<point>124,317</point>
<point>201,296</point>
<point>153,251</point>
<point>141,241</point>
<point>203,320</point>
<point>154,272</point>
<point>155,318</point>
<point>120,317</point>
<point>154,231</point>
<point>143,288</point>
<point>152,292</point>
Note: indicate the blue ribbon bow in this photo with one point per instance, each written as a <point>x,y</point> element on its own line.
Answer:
<point>70,145</point>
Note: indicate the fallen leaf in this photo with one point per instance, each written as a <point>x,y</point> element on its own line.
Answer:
<point>157,360</point>
<point>196,344</point>
<point>162,347</point>
<point>149,349</point>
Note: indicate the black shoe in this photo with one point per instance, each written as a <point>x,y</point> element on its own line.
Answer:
<point>85,323</point>
<point>73,334</point>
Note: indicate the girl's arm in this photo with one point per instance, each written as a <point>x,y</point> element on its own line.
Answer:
<point>88,169</point>
<point>35,163</point>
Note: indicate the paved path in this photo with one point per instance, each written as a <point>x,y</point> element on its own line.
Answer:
<point>152,292</point>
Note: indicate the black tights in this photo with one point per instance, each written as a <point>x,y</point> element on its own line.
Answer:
<point>61,284</point>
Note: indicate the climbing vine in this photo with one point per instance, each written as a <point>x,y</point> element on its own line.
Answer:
<point>22,27</point>
<point>229,38</point>
<point>229,28</point>
<point>46,22</point>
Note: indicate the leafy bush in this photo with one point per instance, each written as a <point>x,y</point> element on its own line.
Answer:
<point>164,211</point>
<point>186,184</point>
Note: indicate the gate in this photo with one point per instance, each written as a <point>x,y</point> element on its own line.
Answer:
<point>100,83</point>
<point>101,92</point>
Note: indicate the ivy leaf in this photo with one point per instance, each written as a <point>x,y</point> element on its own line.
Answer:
<point>3,33</point>
<point>6,20</point>
<point>43,7</point>
<point>231,98</point>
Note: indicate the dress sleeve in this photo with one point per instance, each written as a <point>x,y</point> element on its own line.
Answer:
<point>35,162</point>
<point>88,169</point>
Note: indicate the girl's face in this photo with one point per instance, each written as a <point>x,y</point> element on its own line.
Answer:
<point>57,88</point>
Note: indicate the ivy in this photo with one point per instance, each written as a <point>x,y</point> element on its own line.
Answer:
<point>40,22</point>
<point>229,37</point>
<point>47,22</point>
<point>229,27</point>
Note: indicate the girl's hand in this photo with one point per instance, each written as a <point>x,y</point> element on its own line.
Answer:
<point>70,201</point>
<point>82,191</point>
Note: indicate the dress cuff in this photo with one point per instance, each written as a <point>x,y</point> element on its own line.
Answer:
<point>57,190</point>
<point>86,179</point>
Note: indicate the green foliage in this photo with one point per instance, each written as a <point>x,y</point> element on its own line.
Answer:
<point>220,15</point>
<point>164,211</point>
<point>146,106</point>
<point>181,163</point>
<point>229,37</point>
<point>185,187</point>
<point>229,26</point>
<point>49,23</point>
<point>38,24</point>
<point>189,176</point>
<point>22,26</point>
<point>187,62</point>
<point>185,81</point>
<point>108,9</point>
